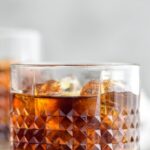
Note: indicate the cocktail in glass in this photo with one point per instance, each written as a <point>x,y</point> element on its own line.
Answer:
<point>75,107</point>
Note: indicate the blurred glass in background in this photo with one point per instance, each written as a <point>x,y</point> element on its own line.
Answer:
<point>16,45</point>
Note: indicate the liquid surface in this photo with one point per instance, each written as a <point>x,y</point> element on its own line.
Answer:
<point>109,122</point>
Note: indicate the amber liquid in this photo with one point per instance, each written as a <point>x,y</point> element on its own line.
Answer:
<point>4,99</point>
<point>75,123</point>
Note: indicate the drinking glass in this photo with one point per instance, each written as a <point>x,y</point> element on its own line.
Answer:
<point>75,107</point>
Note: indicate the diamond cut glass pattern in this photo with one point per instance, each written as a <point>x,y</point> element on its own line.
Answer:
<point>79,111</point>
<point>71,122</point>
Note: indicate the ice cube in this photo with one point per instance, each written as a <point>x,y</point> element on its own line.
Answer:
<point>95,87</point>
<point>49,88</point>
<point>70,86</point>
<point>91,88</point>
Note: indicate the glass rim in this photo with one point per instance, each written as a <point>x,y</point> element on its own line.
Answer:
<point>84,65</point>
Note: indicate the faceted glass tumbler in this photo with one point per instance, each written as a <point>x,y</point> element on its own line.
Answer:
<point>75,107</point>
